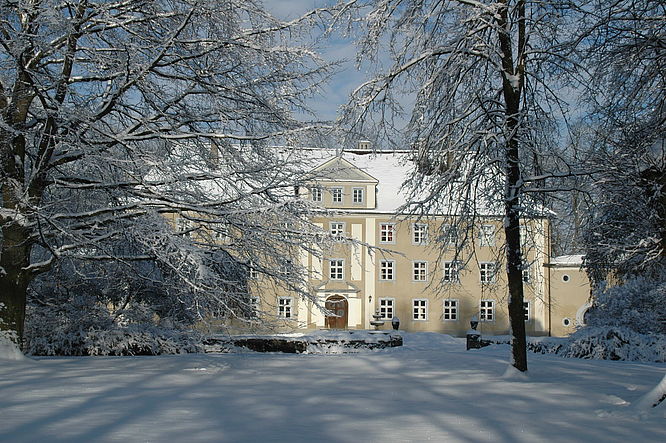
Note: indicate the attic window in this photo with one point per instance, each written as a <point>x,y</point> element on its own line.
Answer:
<point>336,195</point>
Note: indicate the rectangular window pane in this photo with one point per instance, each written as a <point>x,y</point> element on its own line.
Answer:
<point>336,195</point>
<point>526,310</point>
<point>284,307</point>
<point>316,194</point>
<point>451,310</point>
<point>336,268</point>
<point>487,235</point>
<point>420,271</point>
<point>386,271</point>
<point>451,272</point>
<point>386,308</point>
<point>387,233</point>
<point>357,195</point>
<point>419,233</point>
<point>419,309</point>
<point>337,230</point>
<point>487,310</point>
<point>487,272</point>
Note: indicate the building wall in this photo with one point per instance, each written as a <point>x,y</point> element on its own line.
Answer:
<point>549,299</point>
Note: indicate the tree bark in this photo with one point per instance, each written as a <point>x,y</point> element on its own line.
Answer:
<point>14,277</point>
<point>512,87</point>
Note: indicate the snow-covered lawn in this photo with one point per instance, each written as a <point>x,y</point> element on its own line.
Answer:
<point>430,389</point>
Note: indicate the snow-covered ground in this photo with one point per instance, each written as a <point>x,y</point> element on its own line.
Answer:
<point>430,389</point>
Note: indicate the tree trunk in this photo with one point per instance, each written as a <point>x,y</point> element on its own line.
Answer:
<point>14,278</point>
<point>512,86</point>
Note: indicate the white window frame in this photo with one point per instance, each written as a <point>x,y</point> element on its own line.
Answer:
<point>254,303</point>
<point>451,271</point>
<point>487,272</point>
<point>450,308</point>
<point>358,195</point>
<point>487,235</point>
<point>337,230</point>
<point>253,274</point>
<point>526,274</point>
<point>526,311</point>
<point>387,307</point>
<point>316,194</point>
<point>419,234</point>
<point>487,311</point>
<point>450,233</point>
<point>336,269</point>
<point>420,309</point>
<point>419,270</point>
<point>387,270</point>
<point>336,195</point>
<point>285,305</point>
<point>387,233</point>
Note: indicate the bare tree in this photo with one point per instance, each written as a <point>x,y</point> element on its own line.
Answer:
<point>119,116</point>
<point>623,44</point>
<point>480,83</point>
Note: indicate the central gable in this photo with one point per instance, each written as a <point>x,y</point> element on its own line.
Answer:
<point>339,169</point>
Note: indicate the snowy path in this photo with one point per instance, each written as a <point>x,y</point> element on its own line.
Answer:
<point>429,390</point>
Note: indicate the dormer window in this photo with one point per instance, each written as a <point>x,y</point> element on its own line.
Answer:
<point>358,195</point>
<point>336,195</point>
<point>316,194</point>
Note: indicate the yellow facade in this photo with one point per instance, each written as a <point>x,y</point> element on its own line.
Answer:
<point>394,267</point>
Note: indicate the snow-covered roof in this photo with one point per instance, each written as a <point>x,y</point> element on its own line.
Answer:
<point>567,260</point>
<point>389,169</point>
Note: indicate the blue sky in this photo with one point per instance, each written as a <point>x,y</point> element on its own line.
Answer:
<point>335,48</point>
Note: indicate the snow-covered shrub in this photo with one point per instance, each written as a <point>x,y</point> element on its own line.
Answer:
<point>639,305</point>
<point>615,343</point>
<point>87,319</point>
<point>134,339</point>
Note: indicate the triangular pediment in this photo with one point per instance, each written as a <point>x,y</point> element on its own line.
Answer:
<point>339,169</point>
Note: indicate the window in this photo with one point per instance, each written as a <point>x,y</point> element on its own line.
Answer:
<point>526,273</point>
<point>253,273</point>
<point>525,238</point>
<point>420,309</point>
<point>284,307</point>
<point>450,234</point>
<point>336,195</point>
<point>526,310</point>
<point>336,269</point>
<point>451,272</point>
<point>254,306</point>
<point>337,230</point>
<point>184,225</point>
<point>419,234</point>
<point>287,268</point>
<point>487,310</point>
<point>357,195</point>
<point>420,270</point>
<point>487,272</point>
<point>450,310</point>
<point>386,308</point>
<point>316,194</point>
<point>487,235</point>
<point>387,233</point>
<point>386,270</point>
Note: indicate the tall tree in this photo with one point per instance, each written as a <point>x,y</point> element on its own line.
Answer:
<point>117,114</point>
<point>623,46</point>
<point>479,79</point>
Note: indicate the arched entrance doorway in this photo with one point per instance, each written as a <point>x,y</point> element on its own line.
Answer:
<point>337,305</point>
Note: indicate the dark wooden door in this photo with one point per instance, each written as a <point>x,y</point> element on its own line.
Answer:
<point>338,306</point>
